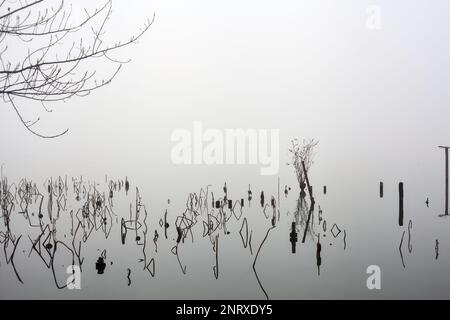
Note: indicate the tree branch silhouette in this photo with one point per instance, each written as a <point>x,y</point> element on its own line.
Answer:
<point>55,67</point>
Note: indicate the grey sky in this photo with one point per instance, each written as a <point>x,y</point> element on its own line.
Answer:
<point>310,68</point>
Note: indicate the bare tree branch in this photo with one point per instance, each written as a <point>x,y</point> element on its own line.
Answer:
<point>44,74</point>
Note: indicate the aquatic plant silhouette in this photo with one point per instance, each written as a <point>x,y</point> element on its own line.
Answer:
<point>302,154</point>
<point>256,258</point>
<point>65,213</point>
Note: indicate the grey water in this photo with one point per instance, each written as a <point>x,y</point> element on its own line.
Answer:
<point>368,223</point>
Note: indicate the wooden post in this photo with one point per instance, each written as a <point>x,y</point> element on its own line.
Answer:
<point>381,190</point>
<point>307,183</point>
<point>446,181</point>
<point>311,208</point>
<point>400,214</point>
<point>446,178</point>
<point>293,237</point>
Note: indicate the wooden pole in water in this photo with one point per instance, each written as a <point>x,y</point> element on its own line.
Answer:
<point>381,190</point>
<point>307,182</point>
<point>400,214</point>
<point>446,178</point>
<point>311,208</point>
